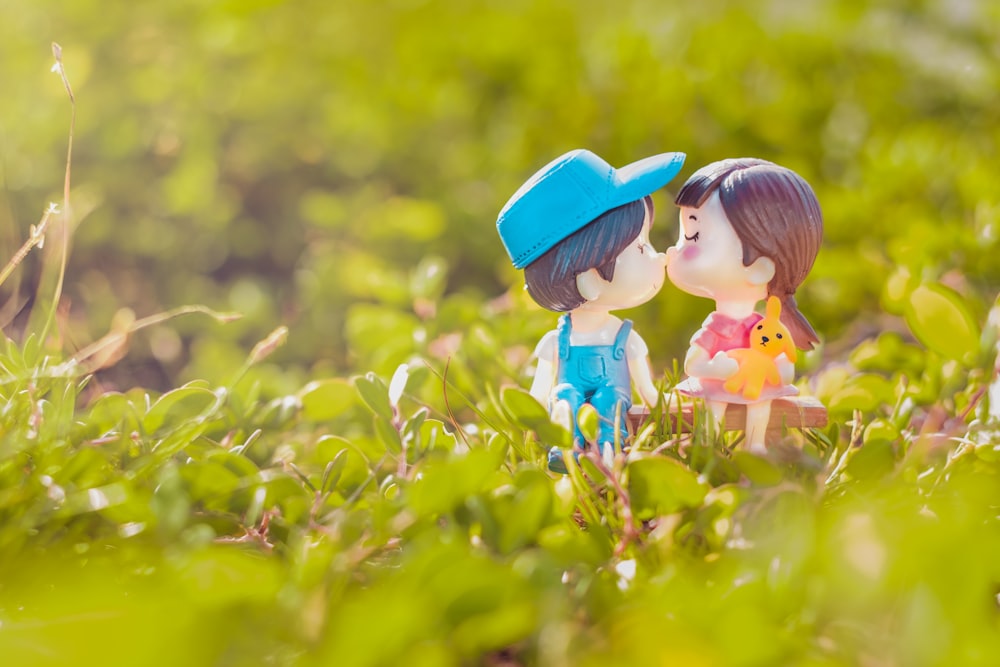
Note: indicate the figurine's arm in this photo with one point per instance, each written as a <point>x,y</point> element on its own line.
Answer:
<point>541,386</point>
<point>639,368</point>
<point>698,364</point>
<point>642,378</point>
<point>545,369</point>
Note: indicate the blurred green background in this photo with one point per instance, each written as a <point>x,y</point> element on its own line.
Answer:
<point>336,166</point>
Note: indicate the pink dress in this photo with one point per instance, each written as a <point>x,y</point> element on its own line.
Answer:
<point>721,333</point>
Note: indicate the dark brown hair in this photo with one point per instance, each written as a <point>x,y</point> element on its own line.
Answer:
<point>775,214</point>
<point>551,279</point>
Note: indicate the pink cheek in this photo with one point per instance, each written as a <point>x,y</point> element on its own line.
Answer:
<point>690,253</point>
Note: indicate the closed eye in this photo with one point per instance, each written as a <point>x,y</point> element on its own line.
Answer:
<point>693,237</point>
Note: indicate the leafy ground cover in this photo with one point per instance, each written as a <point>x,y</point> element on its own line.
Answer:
<point>352,523</point>
<point>387,502</point>
<point>410,519</point>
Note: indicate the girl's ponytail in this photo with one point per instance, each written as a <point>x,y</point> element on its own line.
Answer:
<point>802,332</point>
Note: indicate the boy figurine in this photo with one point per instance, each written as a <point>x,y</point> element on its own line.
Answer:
<point>580,230</point>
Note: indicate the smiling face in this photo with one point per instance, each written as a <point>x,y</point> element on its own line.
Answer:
<point>708,257</point>
<point>638,276</point>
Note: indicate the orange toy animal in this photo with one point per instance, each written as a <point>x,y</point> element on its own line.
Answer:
<point>768,339</point>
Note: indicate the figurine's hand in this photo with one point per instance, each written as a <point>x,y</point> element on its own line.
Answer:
<point>786,369</point>
<point>721,367</point>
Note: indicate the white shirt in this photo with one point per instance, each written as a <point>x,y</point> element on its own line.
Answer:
<point>635,346</point>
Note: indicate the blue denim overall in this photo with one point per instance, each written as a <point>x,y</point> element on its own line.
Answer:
<point>595,374</point>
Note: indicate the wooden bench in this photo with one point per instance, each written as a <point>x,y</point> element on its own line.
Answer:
<point>789,412</point>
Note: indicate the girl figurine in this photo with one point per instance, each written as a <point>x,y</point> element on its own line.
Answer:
<point>580,230</point>
<point>750,229</point>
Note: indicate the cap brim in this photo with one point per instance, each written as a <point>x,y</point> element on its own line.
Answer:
<point>636,180</point>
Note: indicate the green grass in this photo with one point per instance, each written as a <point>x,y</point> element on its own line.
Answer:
<point>342,525</point>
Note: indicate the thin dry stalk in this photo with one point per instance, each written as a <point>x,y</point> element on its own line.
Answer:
<point>61,229</point>
<point>36,238</point>
<point>108,346</point>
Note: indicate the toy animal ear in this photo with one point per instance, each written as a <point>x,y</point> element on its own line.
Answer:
<point>590,284</point>
<point>773,308</point>
<point>761,271</point>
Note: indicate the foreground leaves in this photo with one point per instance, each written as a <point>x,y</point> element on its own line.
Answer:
<point>195,513</point>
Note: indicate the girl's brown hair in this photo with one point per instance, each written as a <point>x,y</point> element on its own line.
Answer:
<point>775,214</point>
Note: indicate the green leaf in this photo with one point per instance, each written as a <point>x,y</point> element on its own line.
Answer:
<point>353,466</point>
<point>210,480</point>
<point>333,471</point>
<point>880,429</point>
<point>375,394</point>
<point>282,486</point>
<point>85,468</point>
<point>522,406</point>
<point>590,422</point>
<point>897,290</point>
<point>178,406</point>
<point>590,469</point>
<point>874,459</point>
<point>221,577</point>
<point>279,412</point>
<point>727,498</point>
<point>412,426</point>
<point>659,486</point>
<point>323,400</point>
<point>941,319</point>
<point>528,511</point>
<point>433,434</point>
<point>758,470</point>
<point>110,410</point>
<point>531,415</point>
<point>572,547</point>
<point>388,434</point>
<point>239,465</point>
<point>863,391</point>
<point>444,484</point>
<point>988,451</point>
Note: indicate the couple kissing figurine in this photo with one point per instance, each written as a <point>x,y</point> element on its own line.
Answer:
<point>749,231</point>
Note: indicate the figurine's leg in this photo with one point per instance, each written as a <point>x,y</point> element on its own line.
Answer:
<point>566,402</point>
<point>718,409</point>
<point>758,416</point>
<point>609,402</point>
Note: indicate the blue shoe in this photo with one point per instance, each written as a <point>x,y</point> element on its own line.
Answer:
<point>556,462</point>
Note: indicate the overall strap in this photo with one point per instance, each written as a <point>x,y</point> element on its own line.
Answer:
<point>621,338</point>
<point>564,328</point>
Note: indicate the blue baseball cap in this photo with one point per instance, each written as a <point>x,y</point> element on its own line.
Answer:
<point>572,191</point>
